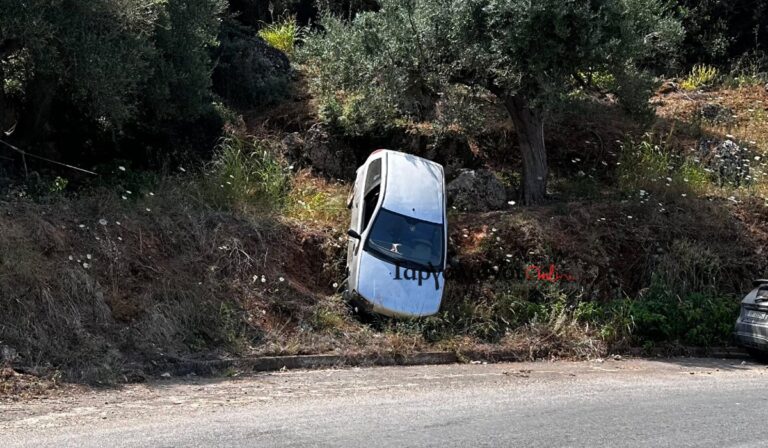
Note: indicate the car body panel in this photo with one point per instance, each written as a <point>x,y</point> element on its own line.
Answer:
<point>413,187</point>
<point>397,291</point>
<point>421,195</point>
<point>751,330</point>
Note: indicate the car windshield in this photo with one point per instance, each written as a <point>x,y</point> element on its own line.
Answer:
<point>399,238</point>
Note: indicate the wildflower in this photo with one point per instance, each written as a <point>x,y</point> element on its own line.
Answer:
<point>71,258</point>
<point>511,202</point>
<point>683,195</point>
<point>123,196</point>
<point>181,168</point>
<point>89,256</point>
<point>148,209</point>
<point>151,194</point>
<point>335,285</point>
<point>103,222</point>
<point>263,279</point>
<point>629,216</point>
<point>281,279</point>
<point>86,265</point>
<point>121,168</point>
<point>117,222</point>
<point>82,226</point>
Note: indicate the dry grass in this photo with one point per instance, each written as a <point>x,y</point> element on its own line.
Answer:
<point>95,283</point>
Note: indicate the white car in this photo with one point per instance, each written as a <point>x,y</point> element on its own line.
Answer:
<point>396,256</point>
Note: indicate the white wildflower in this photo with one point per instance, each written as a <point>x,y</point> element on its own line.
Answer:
<point>281,279</point>
<point>121,168</point>
<point>511,202</point>
<point>103,222</point>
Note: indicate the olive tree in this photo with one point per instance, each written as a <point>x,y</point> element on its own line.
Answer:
<point>397,62</point>
<point>110,61</point>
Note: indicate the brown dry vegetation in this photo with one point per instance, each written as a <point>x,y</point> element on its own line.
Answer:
<point>105,289</point>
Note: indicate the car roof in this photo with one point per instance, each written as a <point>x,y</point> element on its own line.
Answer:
<point>414,187</point>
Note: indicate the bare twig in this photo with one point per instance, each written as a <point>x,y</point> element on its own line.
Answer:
<point>25,153</point>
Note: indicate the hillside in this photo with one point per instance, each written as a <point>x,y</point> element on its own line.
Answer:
<point>244,256</point>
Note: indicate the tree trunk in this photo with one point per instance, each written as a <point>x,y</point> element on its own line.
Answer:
<point>530,133</point>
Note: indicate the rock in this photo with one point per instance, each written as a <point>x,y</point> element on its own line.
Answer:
<point>668,87</point>
<point>293,147</point>
<point>477,191</point>
<point>716,113</point>
<point>726,159</point>
<point>7,354</point>
<point>328,154</point>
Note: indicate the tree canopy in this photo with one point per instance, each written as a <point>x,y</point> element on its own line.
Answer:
<point>399,61</point>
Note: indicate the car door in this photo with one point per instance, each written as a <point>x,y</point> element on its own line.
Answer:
<point>366,197</point>
<point>354,208</point>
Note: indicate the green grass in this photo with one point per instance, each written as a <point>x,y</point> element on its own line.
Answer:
<point>282,34</point>
<point>701,76</point>
<point>652,166</point>
<point>246,172</point>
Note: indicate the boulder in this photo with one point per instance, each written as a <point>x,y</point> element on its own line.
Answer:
<point>716,113</point>
<point>668,87</point>
<point>726,159</point>
<point>476,191</point>
<point>329,155</point>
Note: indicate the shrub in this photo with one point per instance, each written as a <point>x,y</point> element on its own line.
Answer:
<point>701,76</point>
<point>246,173</point>
<point>651,166</point>
<point>282,34</point>
<point>696,319</point>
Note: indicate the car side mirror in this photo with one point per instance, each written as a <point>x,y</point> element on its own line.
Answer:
<point>353,234</point>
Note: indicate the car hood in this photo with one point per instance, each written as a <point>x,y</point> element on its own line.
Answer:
<point>397,291</point>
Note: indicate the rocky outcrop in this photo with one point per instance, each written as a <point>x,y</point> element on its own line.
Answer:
<point>321,150</point>
<point>477,191</point>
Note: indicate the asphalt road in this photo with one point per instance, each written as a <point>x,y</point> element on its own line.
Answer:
<point>680,403</point>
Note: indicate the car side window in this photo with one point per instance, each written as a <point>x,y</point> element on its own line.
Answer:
<point>371,191</point>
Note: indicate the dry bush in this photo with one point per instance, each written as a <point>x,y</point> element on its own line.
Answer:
<point>95,284</point>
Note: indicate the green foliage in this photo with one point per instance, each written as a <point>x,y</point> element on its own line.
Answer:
<point>718,31</point>
<point>701,76</point>
<point>283,34</point>
<point>115,66</point>
<point>748,70</point>
<point>651,166</point>
<point>247,173</point>
<point>696,319</point>
<point>399,62</point>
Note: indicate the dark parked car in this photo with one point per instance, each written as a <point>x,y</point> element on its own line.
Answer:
<point>752,324</point>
